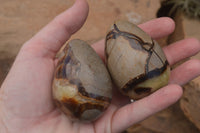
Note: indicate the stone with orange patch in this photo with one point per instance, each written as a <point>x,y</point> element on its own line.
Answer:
<point>82,87</point>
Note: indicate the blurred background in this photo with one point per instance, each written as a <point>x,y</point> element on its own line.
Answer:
<point>21,19</point>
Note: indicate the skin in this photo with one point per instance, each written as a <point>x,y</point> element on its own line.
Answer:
<point>25,96</point>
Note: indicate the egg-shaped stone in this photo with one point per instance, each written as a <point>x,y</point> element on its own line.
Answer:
<point>82,86</point>
<point>136,62</point>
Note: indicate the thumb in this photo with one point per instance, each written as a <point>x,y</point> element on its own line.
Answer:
<point>50,39</point>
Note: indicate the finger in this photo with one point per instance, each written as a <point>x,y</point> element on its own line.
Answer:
<point>141,109</point>
<point>185,72</point>
<point>99,48</point>
<point>50,39</point>
<point>181,50</point>
<point>156,28</point>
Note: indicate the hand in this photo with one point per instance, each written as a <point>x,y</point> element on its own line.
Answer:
<point>26,104</point>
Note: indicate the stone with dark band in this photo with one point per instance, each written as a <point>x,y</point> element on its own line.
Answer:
<point>135,61</point>
<point>82,86</point>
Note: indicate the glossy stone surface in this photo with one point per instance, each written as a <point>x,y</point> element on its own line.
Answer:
<point>82,87</point>
<point>135,61</point>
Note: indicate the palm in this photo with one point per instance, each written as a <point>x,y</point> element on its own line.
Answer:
<point>42,108</point>
<point>42,69</point>
<point>26,103</point>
